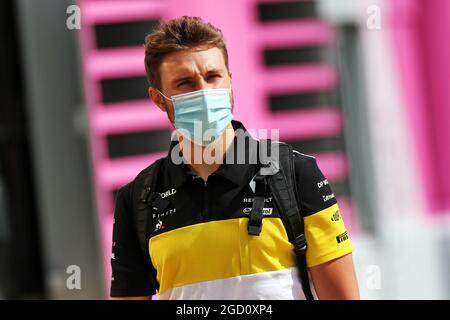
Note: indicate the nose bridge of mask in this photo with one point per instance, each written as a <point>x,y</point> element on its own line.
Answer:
<point>190,106</point>
<point>206,101</point>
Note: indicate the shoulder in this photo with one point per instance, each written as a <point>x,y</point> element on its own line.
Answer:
<point>314,190</point>
<point>305,161</point>
<point>127,193</point>
<point>307,169</point>
<point>156,165</point>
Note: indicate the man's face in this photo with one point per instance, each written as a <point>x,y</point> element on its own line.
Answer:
<point>190,70</point>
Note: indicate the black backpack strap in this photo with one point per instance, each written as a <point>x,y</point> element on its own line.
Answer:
<point>279,170</point>
<point>268,168</point>
<point>146,200</point>
<point>256,215</point>
<point>284,190</point>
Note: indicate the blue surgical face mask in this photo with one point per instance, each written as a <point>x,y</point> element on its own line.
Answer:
<point>201,116</point>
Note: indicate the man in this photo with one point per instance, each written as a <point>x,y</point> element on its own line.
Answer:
<point>198,244</point>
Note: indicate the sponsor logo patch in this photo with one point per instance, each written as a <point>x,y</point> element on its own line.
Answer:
<point>250,200</point>
<point>159,226</point>
<point>168,193</point>
<point>322,183</point>
<point>164,214</point>
<point>328,197</point>
<point>342,237</point>
<point>266,211</point>
<point>336,216</point>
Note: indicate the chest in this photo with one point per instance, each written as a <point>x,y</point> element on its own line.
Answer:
<point>200,202</point>
<point>202,235</point>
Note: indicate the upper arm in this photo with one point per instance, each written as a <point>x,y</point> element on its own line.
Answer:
<point>131,272</point>
<point>329,248</point>
<point>335,279</point>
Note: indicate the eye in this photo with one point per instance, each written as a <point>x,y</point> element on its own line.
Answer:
<point>214,76</point>
<point>182,83</point>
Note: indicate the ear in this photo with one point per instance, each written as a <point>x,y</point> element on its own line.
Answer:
<point>157,99</point>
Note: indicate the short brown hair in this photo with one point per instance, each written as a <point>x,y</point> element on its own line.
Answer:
<point>175,35</point>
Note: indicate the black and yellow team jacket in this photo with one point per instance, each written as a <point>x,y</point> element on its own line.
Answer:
<point>199,246</point>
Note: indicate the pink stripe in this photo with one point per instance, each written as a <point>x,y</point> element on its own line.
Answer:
<point>304,124</point>
<point>288,33</point>
<point>116,173</point>
<point>298,78</point>
<point>420,39</point>
<point>334,165</point>
<point>116,63</point>
<point>437,42</point>
<point>405,41</point>
<point>138,117</point>
<point>97,12</point>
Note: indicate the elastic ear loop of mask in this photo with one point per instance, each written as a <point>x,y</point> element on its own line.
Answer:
<point>164,95</point>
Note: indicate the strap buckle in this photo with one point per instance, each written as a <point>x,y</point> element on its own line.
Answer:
<point>300,244</point>
<point>153,199</point>
<point>254,230</point>
<point>256,214</point>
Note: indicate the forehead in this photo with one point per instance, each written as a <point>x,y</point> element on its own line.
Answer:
<point>199,59</point>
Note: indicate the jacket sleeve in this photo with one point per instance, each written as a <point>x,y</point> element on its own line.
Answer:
<point>325,230</point>
<point>131,272</point>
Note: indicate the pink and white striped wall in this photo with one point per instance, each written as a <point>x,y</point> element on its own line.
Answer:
<point>246,37</point>
<point>421,42</point>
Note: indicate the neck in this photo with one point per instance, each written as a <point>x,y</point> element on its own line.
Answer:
<point>204,160</point>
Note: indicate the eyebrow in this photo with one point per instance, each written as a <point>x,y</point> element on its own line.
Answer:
<point>214,71</point>
<point>181,79</point>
